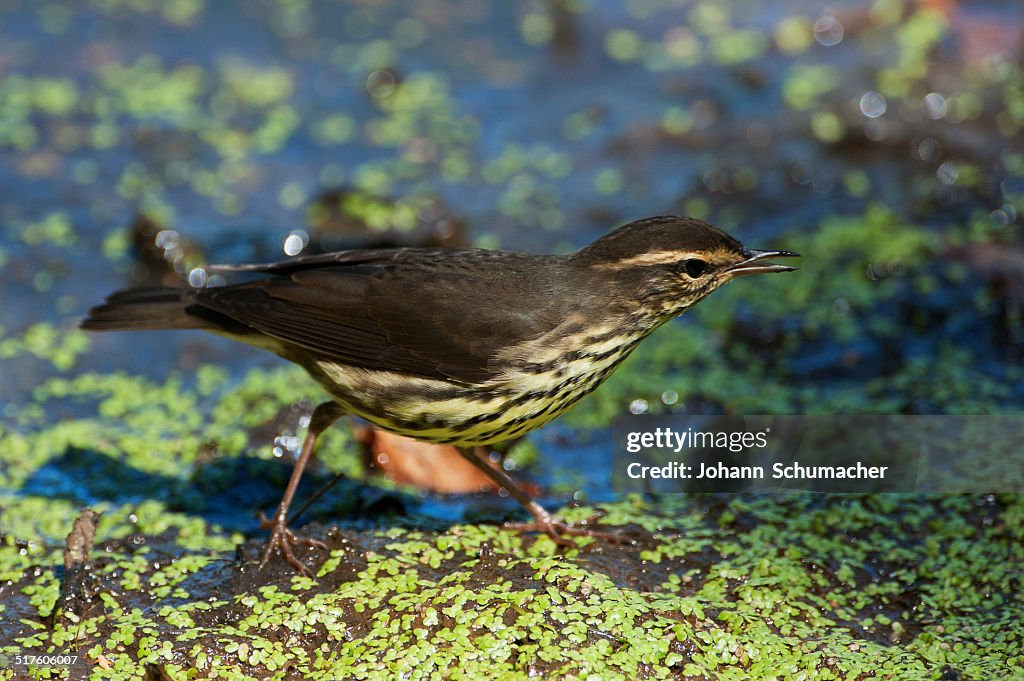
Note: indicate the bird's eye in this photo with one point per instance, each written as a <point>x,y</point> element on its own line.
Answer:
<point>695,268</point>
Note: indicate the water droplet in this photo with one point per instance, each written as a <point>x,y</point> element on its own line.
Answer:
<point>380,84</point>
<point>444,228</point>
<point>197,278</point>
<point>935,106</point>
<point>999,218</point>
<point>872,104</point>
<point>828,31</point>
<point>927,149</point>
<point>167,239</point>
<point>295,242</point>
<point>947,173</point>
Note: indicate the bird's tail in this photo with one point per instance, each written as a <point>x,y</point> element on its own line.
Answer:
<point>140,309</point>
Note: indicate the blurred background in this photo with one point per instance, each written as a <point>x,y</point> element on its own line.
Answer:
<point>141,139</point>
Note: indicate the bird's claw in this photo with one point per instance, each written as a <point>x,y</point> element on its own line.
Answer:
<point>560,532</point>
<point>284,539</point>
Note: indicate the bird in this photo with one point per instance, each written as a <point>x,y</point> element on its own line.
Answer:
<point>469,347</point>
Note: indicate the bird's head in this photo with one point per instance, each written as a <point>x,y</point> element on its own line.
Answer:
<point>672,262</point>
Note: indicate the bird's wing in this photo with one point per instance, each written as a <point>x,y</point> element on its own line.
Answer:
<point>416,313</point>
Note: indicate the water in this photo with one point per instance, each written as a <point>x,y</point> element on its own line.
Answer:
<point>540,127</point>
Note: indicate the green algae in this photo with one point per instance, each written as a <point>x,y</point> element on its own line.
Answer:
<point>829,587</point>
<point>748,587</point>
<point>60,347</point>
<point>910,587</point>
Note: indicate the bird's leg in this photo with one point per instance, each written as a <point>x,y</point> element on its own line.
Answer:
<point>281,537</point>
<point>542,520</point>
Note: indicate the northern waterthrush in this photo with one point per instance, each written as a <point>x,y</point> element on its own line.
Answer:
<point>468,347</point>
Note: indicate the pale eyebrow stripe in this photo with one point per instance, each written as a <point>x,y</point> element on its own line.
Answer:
<point>653,258</point>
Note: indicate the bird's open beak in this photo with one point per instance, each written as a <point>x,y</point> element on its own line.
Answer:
<point>754,264</point>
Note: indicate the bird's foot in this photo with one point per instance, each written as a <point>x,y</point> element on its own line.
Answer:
<point>283,539</point>
<point>560,531</point>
